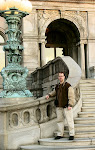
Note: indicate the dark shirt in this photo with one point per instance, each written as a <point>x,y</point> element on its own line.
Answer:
<point>62,94</point>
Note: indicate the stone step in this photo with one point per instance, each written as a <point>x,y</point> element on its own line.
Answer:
<point>83,127</point>
<point>88,96</point>
<point>88,92</point>
<point>86,114</point>
<point>83,134</point>
<point>66,142</point>
<point>86,88</point>
<point>88,109</point>
<point>87,85</point>
<point>40,147</point>
<point>90,120</point>
<point>88,104</point>
<point>79,134</point>
<point>87,81</point>
<point>88,99</point>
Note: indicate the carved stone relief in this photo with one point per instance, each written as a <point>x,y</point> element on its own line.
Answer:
<point>79,18</point>
<point>13,119</point>
<point>38,114</point>
<point>45,17</point>
<point>31,116</point>
<point>26,117</point>
<point>44,116</point>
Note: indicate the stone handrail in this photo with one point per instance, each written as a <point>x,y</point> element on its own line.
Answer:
<point>45,78</point>
<point>26,120</point>
<point>23,117</point>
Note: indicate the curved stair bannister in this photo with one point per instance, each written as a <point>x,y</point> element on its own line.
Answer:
<point>25,120</point>
<point>45,78</point>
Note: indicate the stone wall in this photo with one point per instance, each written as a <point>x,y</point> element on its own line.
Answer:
<point>80,14</point>
<point>43,13</point>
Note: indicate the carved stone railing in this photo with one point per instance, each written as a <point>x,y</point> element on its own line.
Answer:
<point>35,112</point>
<point>25,120</point>
<point>45,78</point>
<point>22,120</point>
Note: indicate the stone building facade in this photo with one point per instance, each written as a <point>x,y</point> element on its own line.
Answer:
<point>55,28</point>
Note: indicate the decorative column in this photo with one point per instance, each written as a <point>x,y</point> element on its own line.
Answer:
<point>82,54</point>
<point>14,75</point>
<point>43,56</point>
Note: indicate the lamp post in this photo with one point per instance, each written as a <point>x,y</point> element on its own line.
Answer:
<point>14,75</point>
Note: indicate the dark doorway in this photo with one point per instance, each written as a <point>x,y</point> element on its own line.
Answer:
<point>63,34</point>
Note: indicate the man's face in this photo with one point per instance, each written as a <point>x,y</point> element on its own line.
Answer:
<point>61,77</point>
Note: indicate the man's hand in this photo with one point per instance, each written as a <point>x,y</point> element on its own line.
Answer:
<point>47,96</point>
<point>69,108</point>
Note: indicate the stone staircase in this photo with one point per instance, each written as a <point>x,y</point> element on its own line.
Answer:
<point>84,125</point>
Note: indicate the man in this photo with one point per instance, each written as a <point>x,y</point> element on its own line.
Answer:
<point>65,99</point>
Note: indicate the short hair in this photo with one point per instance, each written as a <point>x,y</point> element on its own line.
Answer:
<point>61,72</point>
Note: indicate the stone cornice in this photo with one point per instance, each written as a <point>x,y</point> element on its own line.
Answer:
<point>67,1</point>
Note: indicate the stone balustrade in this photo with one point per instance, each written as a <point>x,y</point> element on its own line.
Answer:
<point>45,78</point>
<point>29,113</point>
<point>26,120</point>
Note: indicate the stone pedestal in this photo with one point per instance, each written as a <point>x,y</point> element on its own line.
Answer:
<point>14,81</point>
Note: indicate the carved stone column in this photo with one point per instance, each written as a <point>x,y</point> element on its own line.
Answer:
<point>82,54</point>
<point>79,56</point>
<point>43,57</point>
